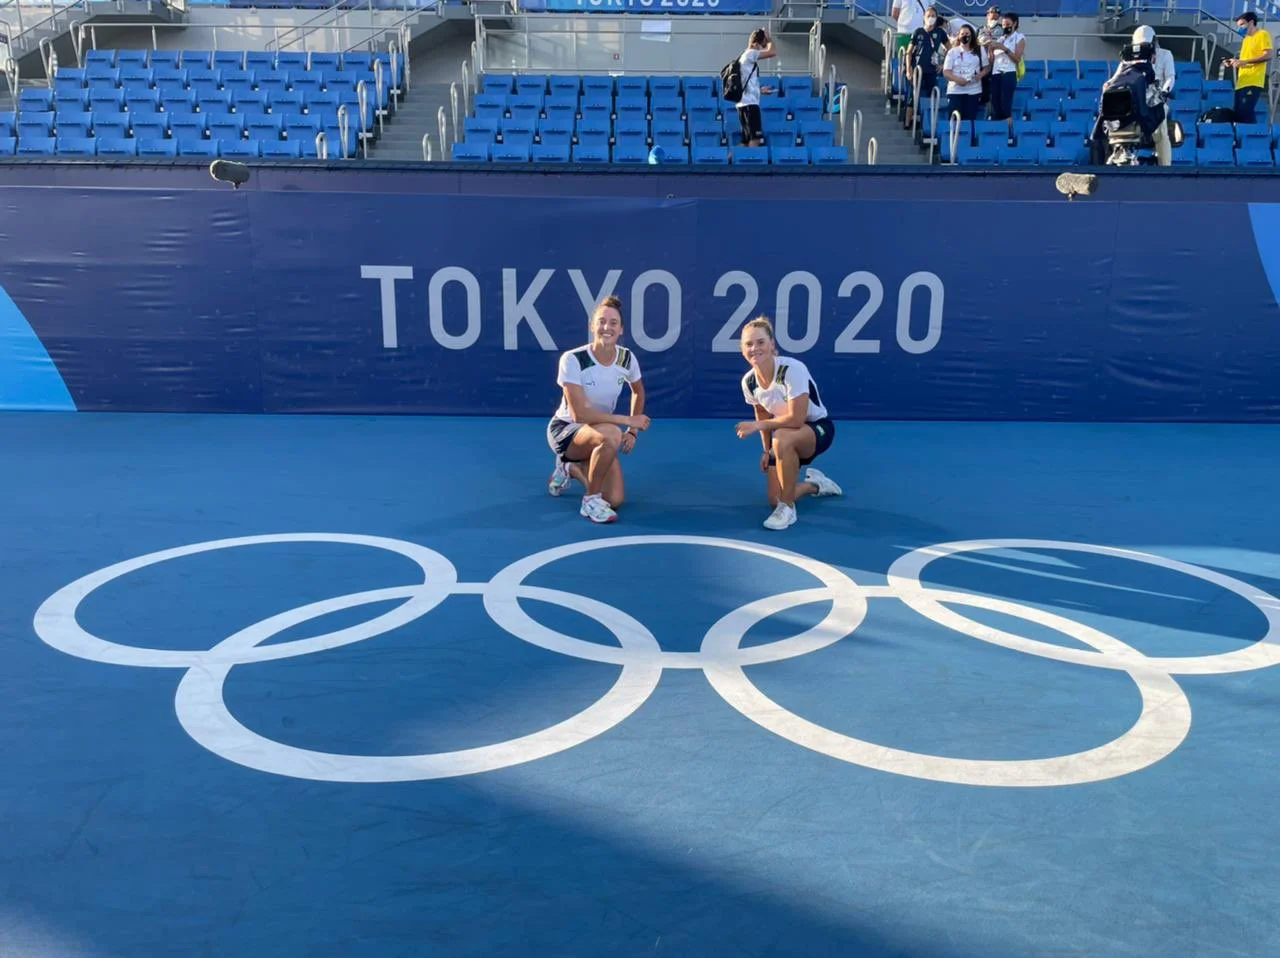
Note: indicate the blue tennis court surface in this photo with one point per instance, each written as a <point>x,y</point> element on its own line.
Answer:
<point>359,687</point>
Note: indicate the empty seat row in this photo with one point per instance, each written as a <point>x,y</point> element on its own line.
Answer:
<point>623,85</point>
<point>233,59</point>
<point>180,101</point>
<point>71,146</point>
<point>639,154</point>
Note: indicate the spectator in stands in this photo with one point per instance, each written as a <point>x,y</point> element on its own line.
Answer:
<point>791,420</point>
<point>585,433</point>
<point>910,17</point>
<point>991,29</point>
<point>927,50</point>
<point>964,70</point>
<point>1006,52</point>
<point>759,47</point>
<point>1251,66</point>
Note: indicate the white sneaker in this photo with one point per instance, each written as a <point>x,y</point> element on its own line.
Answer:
<point>597,510</point>
<point>783,516</point>
<point>560,478</point>
<point>826,487</point>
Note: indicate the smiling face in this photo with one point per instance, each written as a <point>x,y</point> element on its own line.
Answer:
<point>757,345</point>
<point>606,326</point>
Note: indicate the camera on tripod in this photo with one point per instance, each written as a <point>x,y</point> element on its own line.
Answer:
<point>1134,107</point>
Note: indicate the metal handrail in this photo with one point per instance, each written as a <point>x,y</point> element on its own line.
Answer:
<point>426,148</point>
<point>935,103</point>
<point>18,41</point>
<point>17,7</point>
<point>873,150</point>
<point>400,26</point>
<point>275,43</point>
<point>12,75</point>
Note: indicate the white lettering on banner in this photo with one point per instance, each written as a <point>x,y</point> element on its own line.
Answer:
<point>517,308</point>
<point>655,277</point>
<point>794,335</point>
<point>726,341</point>
<point>435,307</point>
<point>386,277</point>
<point>909,285</point>
<point>848,341</point>
<point>584,291</point>
<point>782,314</point>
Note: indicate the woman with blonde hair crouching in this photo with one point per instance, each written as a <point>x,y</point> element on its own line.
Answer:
<point>585,433</point>
<point>791,420</point>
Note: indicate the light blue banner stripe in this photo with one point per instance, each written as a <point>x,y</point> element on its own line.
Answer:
<point>28,377</point>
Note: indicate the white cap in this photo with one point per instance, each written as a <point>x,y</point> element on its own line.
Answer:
<point>1144,35</point>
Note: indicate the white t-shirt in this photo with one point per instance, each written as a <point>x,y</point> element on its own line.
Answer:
<point>965,63</point>
<point>910,16</point>
<point>749,63</point>
<point>600,384</point>
<point>1002,62</point>
<point>790,379</point>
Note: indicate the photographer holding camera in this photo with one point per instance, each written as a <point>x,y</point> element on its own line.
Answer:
<point>1144,52</point>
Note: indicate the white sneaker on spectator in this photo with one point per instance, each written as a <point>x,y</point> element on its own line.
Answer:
<point>826,486</point>
<point>597,510</point>
<point>781,517</point>
<point>560,478</point>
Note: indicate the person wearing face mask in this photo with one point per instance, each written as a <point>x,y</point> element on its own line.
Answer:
<point>910,17</point>
<point>964,70</point>
<point>1251,66</point>
<point>928,47</point>
<point>991,30</point>
<point>1006,52</point>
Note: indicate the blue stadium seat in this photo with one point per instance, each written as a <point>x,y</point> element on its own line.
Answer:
<point>511,153</point>
<point>991,134</point>
<point>199,59</point>
<point>975,156</point>
<point>557,138</point>
<point>1256,155</point>
<point>34,125</point>
<point>789,156</point>
<point>240,149</point>
<point>750,156</point>
<point>8,145</point>
<point>471,152</point>
<point>1216,153</point>
<point>1185,155</point>
<point>673,155</point>
<point>142,101</point>
<point>190,147</point>
<point>821,133</point>
<point>36,146</point>
<point>75,146</point>
<point>229,59</point>
<point>280,150</point>
<point>167,59</point>
<point>566,85</point>
<point>97,58</point>
<point>1257,133</point>
<point>157,147</point>
<point>710,156</point>
<point>1034,132</point>
<point>73,123</point>
<point>829,155</point>
<point>550,152</point>
<point>131,58</point>
<point>631,150</point>
<point>1058,69</point>
<point>150,127</point>
<point>1024,154</point>
<point>37,101</point>
<point>700,86</point>
<point>1213,134</point>
<point>230,127</point>
<point>188,125</point>
<point>111,146</point>
<point>589,153</point>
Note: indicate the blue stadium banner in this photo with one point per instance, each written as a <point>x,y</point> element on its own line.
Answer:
<point>250,302</point>
<point>763,7</point>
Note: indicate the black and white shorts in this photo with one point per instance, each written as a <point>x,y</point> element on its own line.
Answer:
<point>560,435</point>
<point>824,434</point>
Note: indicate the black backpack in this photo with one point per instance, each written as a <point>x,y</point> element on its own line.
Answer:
<point>731,84</point>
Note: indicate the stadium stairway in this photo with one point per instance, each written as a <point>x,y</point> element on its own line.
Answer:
<point>432,71</point>
<point>866,93</point>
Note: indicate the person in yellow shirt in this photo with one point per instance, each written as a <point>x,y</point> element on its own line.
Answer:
<point>1251,66</point>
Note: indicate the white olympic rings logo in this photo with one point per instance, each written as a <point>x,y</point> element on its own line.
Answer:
<point>202,710</point>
